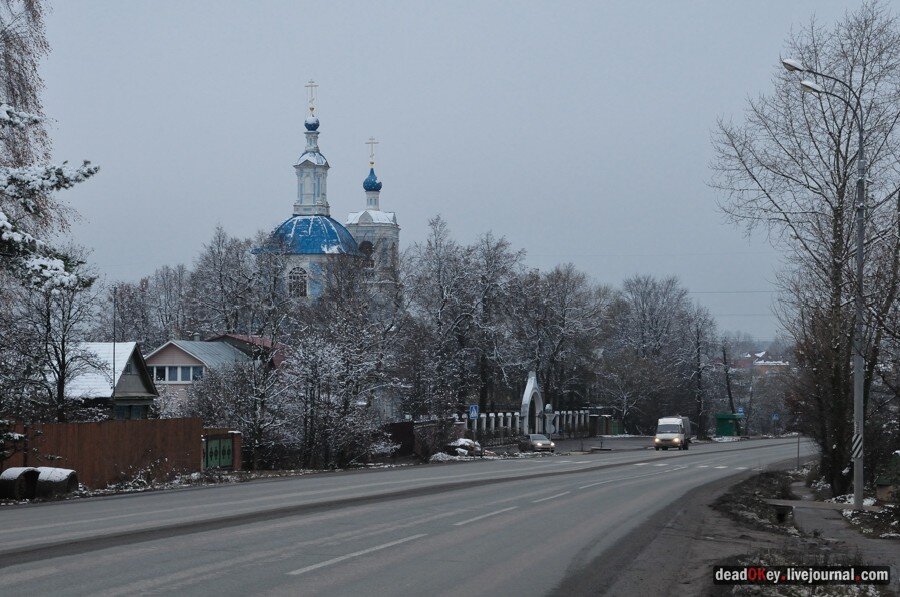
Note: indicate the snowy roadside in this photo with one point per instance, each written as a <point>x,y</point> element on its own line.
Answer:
<point>721,525</point>
<point>142,483</point>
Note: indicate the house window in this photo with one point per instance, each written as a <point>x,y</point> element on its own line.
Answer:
<point>297,280</point>
<point>159,374</point>
<point>186,374</point>
<point>129,368</point>
<point>124,412</point>
<point>173,374</point>
<point>197,373</point>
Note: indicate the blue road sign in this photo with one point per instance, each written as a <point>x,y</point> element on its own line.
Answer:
<point>740,410</point>
<point>473,411</point>
<point>775,416</point>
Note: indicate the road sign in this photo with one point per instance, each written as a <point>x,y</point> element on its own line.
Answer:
<point>775,416</point>
<point>740,410</point>
<point>473,411</point>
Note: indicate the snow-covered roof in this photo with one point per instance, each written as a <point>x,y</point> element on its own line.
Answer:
<point>311,235</point>
<point>313,157</point>
<point>372,216</point>
<point>211,354</point>
<point>97,382</point>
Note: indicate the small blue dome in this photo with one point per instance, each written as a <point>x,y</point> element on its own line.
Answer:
<point>312,123</point>
<point>311,235</point>
<point>371,182</point>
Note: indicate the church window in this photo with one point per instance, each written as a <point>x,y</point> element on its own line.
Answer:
<point>297,279</point>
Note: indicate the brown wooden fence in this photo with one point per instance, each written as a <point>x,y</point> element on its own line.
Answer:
<point>112,451</point>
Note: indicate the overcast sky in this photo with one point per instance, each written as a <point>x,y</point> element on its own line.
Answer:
<point>580,131</point>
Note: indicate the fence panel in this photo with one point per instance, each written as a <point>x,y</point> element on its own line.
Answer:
<point>111,451</point>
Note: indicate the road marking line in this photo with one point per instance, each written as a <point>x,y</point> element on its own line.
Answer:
<point>720,467</point>
<point>353,555</point>
<point>621,479</point>
<point>462,522</point>
<point>551,497</point>
<point>641,463</point>
<point>702,466</point>
<point>662,464</point>
<point>741,468</point>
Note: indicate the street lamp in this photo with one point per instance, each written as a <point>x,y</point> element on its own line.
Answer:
<point>861,167</point>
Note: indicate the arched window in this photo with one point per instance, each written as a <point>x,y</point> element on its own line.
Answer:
<point>297,279</point>
<point>366,248</point>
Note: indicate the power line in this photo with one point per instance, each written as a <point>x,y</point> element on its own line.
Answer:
<point>714,254</point>
<point>734,291</point>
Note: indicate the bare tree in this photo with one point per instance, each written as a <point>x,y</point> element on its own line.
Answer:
<point>58,320</point>
<point>790,168</point>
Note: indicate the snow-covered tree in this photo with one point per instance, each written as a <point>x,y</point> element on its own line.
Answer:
<point>30,261</point>
<point>59,319</point>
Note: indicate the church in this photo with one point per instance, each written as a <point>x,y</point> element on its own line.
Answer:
<point>311,239</point>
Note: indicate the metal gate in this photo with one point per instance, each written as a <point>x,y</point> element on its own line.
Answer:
<point>217,453</point>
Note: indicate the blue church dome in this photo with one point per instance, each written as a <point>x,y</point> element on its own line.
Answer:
<point>371,182</point>
<point>311,235</point>
<point>311,123</point>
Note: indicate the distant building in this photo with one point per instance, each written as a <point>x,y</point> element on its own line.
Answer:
<point>119,381</point>
<point>253,346</point>
<point>311,240</point>
<point>376,232</point>
<point>178,363</point>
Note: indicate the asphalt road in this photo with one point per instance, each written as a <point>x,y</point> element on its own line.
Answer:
<point>505,527</point>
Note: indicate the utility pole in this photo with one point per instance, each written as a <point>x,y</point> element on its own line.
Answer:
<point>856,446</point>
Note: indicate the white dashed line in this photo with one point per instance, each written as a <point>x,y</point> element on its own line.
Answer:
<point>550,497</point>
<point>641,463</point>
<point>663,464</point>
<point>353,555</point>
<point>462,522</point>
<point>720,467</point>
<point>702,466</point>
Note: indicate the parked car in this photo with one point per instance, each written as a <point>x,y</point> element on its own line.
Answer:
<point>535,442</point>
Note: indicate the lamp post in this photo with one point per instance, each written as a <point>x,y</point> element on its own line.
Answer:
<point>858,361</point>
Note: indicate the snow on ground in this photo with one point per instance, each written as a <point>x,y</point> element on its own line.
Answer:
<point>442,457</point>
<point>848,499</point>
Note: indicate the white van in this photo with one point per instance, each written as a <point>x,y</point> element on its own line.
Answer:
<point>672,432</point>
